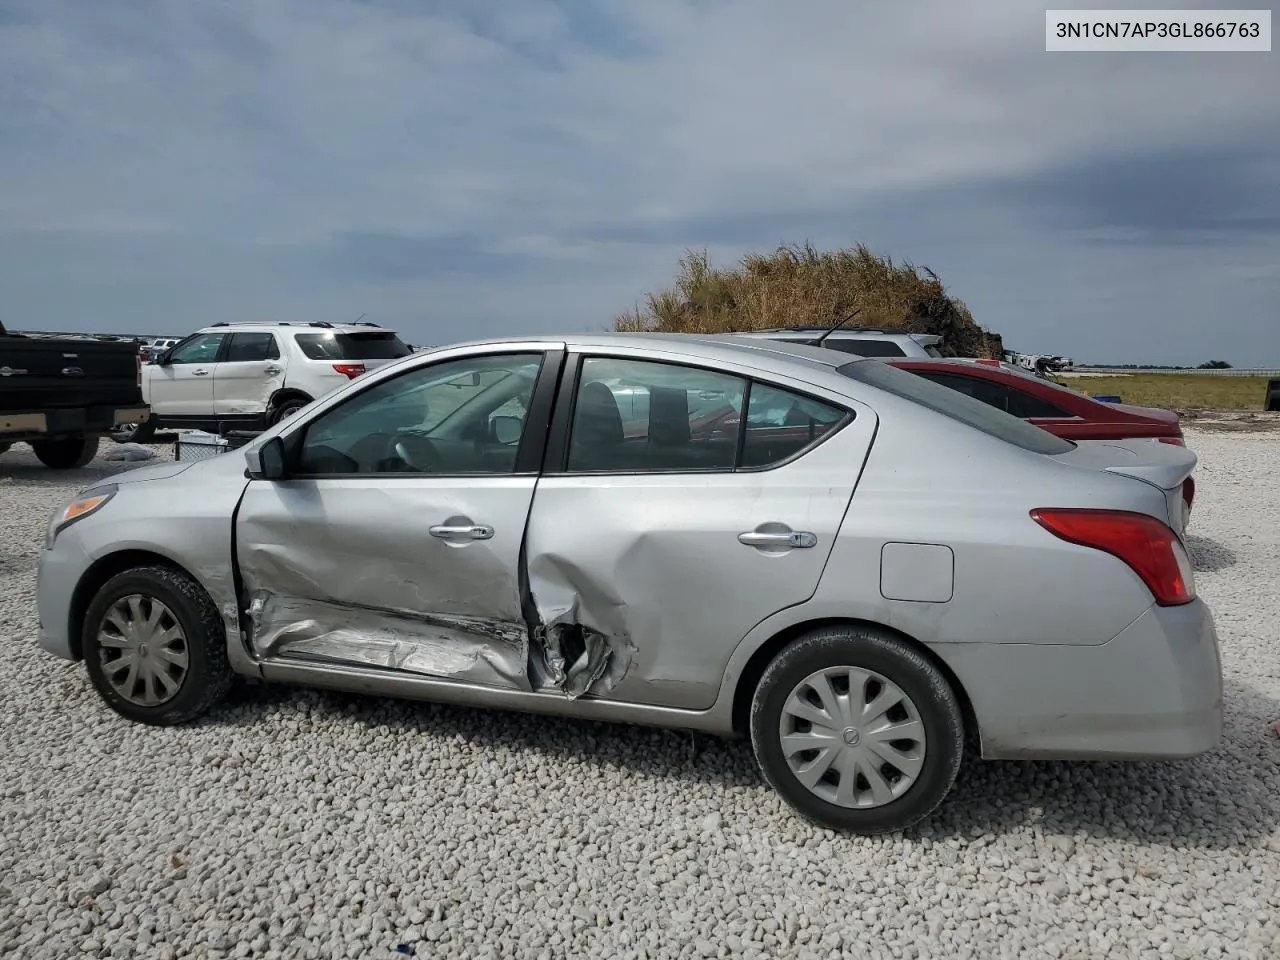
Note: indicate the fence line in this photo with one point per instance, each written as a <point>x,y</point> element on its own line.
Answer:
<point>1198,372</point>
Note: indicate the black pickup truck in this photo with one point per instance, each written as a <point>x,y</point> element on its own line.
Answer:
<point>62,394</point>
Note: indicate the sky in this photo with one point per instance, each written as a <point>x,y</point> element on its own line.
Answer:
<point>466,168</point>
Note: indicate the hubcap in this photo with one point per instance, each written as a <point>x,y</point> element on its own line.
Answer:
<point>852,737</point>
<point>143,650</point>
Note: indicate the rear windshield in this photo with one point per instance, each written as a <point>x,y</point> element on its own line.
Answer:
<point>957,406</point>
<point>352,346</point>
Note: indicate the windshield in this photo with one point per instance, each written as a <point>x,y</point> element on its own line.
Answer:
<point>383,345</point>
<point>957,406</point>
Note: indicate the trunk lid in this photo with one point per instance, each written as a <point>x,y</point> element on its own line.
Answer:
<point>1162,465</point>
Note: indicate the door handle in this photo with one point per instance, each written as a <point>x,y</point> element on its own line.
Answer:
<point>790,538</point>
<point>472,531</point>
<point>272,369</point>
<point>199,373</point>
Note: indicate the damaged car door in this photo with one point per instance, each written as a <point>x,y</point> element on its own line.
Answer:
<point>394,539</point>
<point>667,524</point>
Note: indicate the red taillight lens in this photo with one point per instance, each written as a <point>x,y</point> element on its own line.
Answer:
<point>349,370</point>
<point>1149,547</point>
<point>1175,441</point>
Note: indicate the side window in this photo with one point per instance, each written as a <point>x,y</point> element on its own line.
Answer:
<point>988,391</point>
<point>199,349</point>
<point>463,416</point>
<point>865,348</point>
<point>1028,405</point>
<point>636,415</point>
<point>252,346</point>
<point>780,424</point>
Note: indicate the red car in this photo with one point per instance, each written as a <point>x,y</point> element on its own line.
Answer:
<point>1063,412</point>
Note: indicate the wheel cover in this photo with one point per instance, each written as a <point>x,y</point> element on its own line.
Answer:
<point>143,650</point>
<point>852,737</point>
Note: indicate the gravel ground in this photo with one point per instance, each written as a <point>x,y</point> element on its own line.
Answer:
<point>302,824</point>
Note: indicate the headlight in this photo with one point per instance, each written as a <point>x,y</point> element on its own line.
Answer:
<point>87,502</point>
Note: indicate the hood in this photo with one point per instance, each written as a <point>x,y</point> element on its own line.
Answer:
<point>230,463</point>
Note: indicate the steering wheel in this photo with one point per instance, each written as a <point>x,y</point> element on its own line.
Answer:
<point>417,451</point>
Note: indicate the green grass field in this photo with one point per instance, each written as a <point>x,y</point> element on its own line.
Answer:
<point>1176,391</point>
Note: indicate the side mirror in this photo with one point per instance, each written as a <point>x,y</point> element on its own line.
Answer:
<point>506,430</point>
<point>266,462</point>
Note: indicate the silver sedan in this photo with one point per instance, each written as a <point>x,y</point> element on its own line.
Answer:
<point>857,568</point>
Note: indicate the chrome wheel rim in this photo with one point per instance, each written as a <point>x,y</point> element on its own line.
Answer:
<point>852,737</point>
<point>143,650</point>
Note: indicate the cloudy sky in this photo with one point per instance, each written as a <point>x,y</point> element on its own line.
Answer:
<point>469,167</point>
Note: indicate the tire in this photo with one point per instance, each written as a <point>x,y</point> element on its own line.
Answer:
<point>134,432</point>
<point>207,674</point>
<point>4,445</point>
<point>69,453</point>
<point>883,665</point>
<point>287,408</point>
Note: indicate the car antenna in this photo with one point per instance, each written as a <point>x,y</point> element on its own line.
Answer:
<point>359,318</point>
<point>838,324</point>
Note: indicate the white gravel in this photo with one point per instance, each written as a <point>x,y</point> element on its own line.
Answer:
<point>304,824</point>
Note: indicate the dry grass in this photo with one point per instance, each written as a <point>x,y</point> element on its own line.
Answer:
<point>801,286</point>
<point>1175,391</point>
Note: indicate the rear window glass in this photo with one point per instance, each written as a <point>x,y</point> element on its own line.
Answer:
<point>957,406</point>
<point>352,346</point>
<point>865,348</point>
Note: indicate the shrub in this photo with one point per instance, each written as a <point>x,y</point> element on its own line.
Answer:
<point>799,286</point>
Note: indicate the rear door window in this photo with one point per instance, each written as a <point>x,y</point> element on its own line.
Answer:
<point>782,424</point>
<point>956,405</point>
<point>245,347</point>
<point>382,345</point>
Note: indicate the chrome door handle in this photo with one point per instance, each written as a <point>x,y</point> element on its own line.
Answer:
<point>795,538</point>
<point>474,531</point>
<point>199,373</point>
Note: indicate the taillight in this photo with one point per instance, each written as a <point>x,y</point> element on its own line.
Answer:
<point>349,370</point>
<point>1175,441</point>
<point>1149,547</point>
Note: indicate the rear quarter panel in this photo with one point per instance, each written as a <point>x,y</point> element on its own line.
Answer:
<point>929,480</point>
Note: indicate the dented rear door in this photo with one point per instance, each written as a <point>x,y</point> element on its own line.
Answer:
<point>397,542</point>
<point>660,536</point>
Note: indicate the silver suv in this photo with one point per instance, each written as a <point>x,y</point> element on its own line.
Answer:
<point>863,341</point>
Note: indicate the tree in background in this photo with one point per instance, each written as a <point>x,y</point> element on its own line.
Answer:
<point>1215,365</point>
<point>799,286</point>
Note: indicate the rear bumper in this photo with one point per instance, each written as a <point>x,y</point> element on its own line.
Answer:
<point>68,421</point>
<point>1154,691</point>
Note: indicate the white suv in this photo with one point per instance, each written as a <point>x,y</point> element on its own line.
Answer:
<point>251,375</point>
<point>863,341</point>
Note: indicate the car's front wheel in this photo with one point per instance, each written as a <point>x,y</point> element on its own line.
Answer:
<point>155,646</point>
<point>857,730</point>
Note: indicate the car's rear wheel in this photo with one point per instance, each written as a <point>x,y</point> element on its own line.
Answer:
<point>857,730</point>
<point>67,453</point>
<point>286,408</point>
<point>155,646</point>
